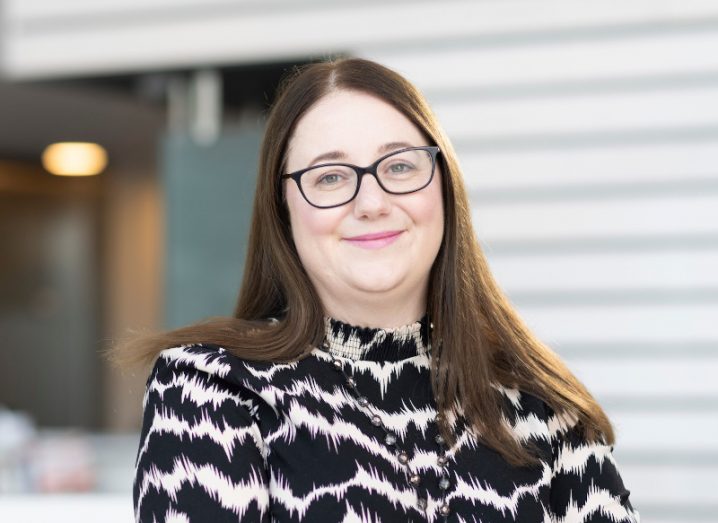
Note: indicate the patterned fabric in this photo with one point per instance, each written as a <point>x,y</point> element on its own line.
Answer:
<point>365,343</point>
<point>224,439</point>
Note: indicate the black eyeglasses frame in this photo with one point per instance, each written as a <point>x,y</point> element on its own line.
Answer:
<point>361,171</point>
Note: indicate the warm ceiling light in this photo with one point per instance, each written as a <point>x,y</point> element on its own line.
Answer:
<point>74,158</point>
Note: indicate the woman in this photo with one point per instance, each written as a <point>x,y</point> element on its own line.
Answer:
<point>373,369</point>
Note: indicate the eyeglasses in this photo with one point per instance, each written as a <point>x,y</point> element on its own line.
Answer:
<point>399,172</point>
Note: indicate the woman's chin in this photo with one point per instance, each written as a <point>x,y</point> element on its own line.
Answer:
<point>377,284</point>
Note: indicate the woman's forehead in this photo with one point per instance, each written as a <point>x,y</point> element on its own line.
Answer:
<point>346,132</point>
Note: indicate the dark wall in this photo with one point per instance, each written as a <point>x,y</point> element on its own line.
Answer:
<point>50,317</point>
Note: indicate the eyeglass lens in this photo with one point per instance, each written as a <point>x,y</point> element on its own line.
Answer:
<point>403,172</point>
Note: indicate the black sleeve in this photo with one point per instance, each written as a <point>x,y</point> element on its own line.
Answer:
<point>586,486</point>
<point>201,456</point>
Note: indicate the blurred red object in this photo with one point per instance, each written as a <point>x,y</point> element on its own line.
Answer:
<point>62,462</point>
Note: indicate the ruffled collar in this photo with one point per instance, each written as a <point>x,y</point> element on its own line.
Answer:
<point>376,344</point>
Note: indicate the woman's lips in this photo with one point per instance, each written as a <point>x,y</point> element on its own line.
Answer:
<point>374,241</point>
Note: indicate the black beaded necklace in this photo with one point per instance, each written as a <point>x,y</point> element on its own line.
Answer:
<point>390,438</point>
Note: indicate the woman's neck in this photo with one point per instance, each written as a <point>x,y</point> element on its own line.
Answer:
<point>377,312</point>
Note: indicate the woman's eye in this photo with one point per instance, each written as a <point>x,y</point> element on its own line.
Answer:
<point>329,179</point>
<point>404,168</point>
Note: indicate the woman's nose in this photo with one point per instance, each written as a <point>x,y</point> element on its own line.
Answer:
<point>371,198</point>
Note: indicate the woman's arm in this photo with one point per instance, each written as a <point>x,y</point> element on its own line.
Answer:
<point>586,485</point>
<point>201,456</point>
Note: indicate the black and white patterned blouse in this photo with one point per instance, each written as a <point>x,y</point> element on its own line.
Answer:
<point>224,439</point>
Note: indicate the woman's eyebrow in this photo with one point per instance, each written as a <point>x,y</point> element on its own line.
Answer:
<point>341,155</point>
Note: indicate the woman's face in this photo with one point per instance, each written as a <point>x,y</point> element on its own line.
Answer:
<point>358,125</point>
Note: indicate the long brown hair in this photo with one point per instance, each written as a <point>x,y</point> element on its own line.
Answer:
<point>479,341</point>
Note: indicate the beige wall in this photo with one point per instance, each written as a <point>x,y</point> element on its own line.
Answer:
<point>134,248</point>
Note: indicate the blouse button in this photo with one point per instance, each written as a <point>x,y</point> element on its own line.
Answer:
<point>445,510</point>
<point>444,483</point>
<point>442,460</point>
<point>404,458</point>
<point>415,479</point>
<point>421,503</point>
<point>390,439</point>
<point>351,383</point>
<point>439,439</point>
<point>376,420</point>
<point>363,401</point>
<point>337,364</point>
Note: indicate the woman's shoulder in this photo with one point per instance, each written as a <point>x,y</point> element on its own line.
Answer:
<point>530,416</point>
<point>222,366</point>
<point>211,359</point>
<point>200,375</point>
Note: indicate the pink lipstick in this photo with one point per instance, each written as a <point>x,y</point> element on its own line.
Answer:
<point>374,240</point>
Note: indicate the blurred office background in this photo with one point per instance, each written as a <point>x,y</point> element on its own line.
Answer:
<point>588,136</point>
